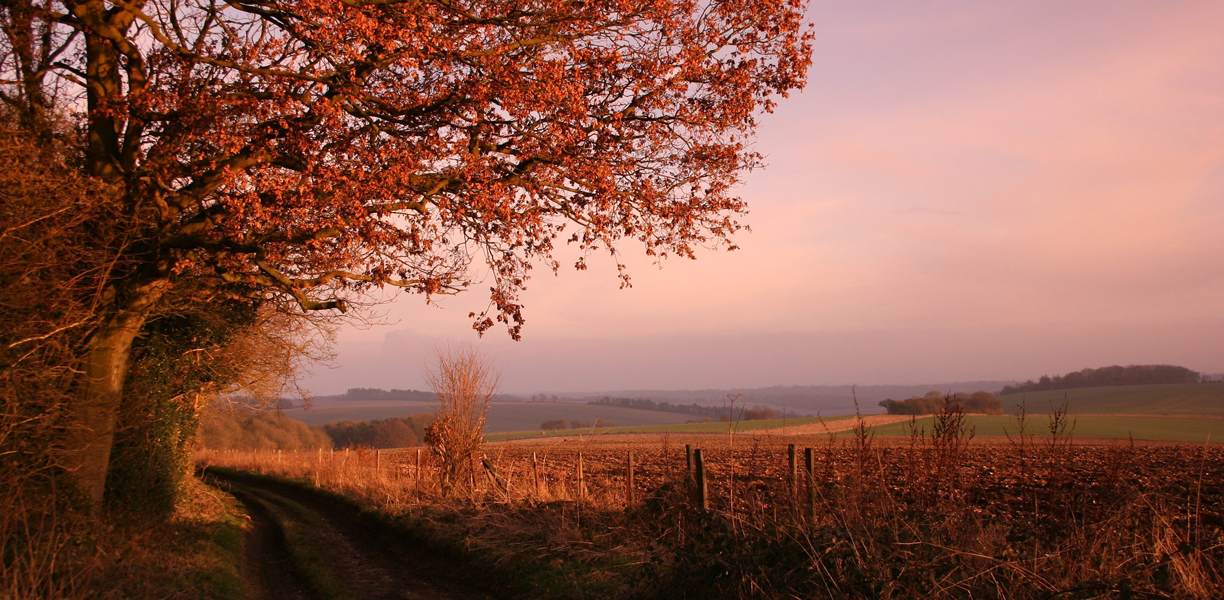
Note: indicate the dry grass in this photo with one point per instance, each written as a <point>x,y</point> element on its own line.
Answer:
<point>64,555</point>
<point>934,518</point>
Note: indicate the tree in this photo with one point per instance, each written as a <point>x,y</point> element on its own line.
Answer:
<point>314,149</point>
<point>464,382</point>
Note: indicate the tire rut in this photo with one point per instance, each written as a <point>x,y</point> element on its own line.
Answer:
<point>362,559</point>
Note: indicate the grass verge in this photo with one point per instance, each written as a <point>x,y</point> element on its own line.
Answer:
<point>197,552</point>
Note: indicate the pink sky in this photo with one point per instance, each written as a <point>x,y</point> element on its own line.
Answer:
<point>965,190</point>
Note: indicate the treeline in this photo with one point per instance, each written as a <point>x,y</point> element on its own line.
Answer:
<point>396,432</point>
<point>935,403</point>
<point>714,412</point>
<point>381,394</point>
<point>1106,376</point>
<point>574,424</point>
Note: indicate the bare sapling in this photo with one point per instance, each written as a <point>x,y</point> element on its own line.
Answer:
<point>950,437</point>
<point>1022,440</point>
<point>863,438</point>
<point>1061,428</point>
<point>464,382</point>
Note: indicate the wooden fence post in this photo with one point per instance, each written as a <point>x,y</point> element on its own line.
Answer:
<point>497,479</point>
<point>810,467</point>
<point>581,488</point>
<point>377,460</point>
<point>792,480</point>
<point>703,496</point>
<point>629,479</point>
<point>535,470</point>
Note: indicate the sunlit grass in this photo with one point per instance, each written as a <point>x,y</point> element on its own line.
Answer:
<point>711,427</point>
<point>1101,427</point>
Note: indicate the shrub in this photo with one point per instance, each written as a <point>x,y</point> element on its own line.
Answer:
<point>933,403</point>
<point>464,381</point>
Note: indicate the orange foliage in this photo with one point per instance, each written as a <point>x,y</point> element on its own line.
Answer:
<point>309,150</point>
<point>316,147</point>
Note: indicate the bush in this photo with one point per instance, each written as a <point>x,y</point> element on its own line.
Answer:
<point>933,403</point>
<point>759,413</point>
<point>464,381</point>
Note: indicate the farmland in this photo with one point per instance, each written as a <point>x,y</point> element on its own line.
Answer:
<point>1170,399</point>
<point>1191,430</point>
<point>503,416</point>
<point>1144,412</point>
<point>803,424</point>
<point>985,428</point>
<point>943,519</point>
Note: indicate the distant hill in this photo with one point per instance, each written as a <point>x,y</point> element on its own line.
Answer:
<point>801,399</point>
<point>1108,376</point>
<point>378,395</point>
<point>1152,399</point>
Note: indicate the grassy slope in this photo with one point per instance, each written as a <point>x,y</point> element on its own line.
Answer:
<point>1172,399</point>
<point>1142,428</point>
<point>713,427</point>
<point>503,416</point>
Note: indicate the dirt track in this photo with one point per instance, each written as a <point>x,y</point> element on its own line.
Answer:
<point>354,557</point>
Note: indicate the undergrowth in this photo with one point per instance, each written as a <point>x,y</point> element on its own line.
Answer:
<point>64,555</point>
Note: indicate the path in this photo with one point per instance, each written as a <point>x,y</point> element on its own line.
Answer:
<point>340,552</point>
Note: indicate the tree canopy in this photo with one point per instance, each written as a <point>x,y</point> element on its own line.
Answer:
<point>934,403</point>
<point>313,149</point>
<point>1106,376</point>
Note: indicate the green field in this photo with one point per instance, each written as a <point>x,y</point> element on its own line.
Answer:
<point>1142,428</point>
<point>1171,399</point>
<point>713,427</point>
<point>503,416</point>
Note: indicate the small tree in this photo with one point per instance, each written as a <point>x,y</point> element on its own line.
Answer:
<point>464,381</point>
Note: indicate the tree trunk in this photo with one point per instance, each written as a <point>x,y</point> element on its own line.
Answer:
<point>97,407</point>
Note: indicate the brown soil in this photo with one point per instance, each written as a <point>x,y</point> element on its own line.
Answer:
<point>370,561</point>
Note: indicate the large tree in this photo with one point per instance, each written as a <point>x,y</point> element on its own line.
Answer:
<point>315,148</point>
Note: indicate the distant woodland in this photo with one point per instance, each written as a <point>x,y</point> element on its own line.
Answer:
<point>1105,376</point>
<point>722,413</point>
<point>367,394</point>
<point>694,409</point>
<point>396,432</point>
<point>935,403</point>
